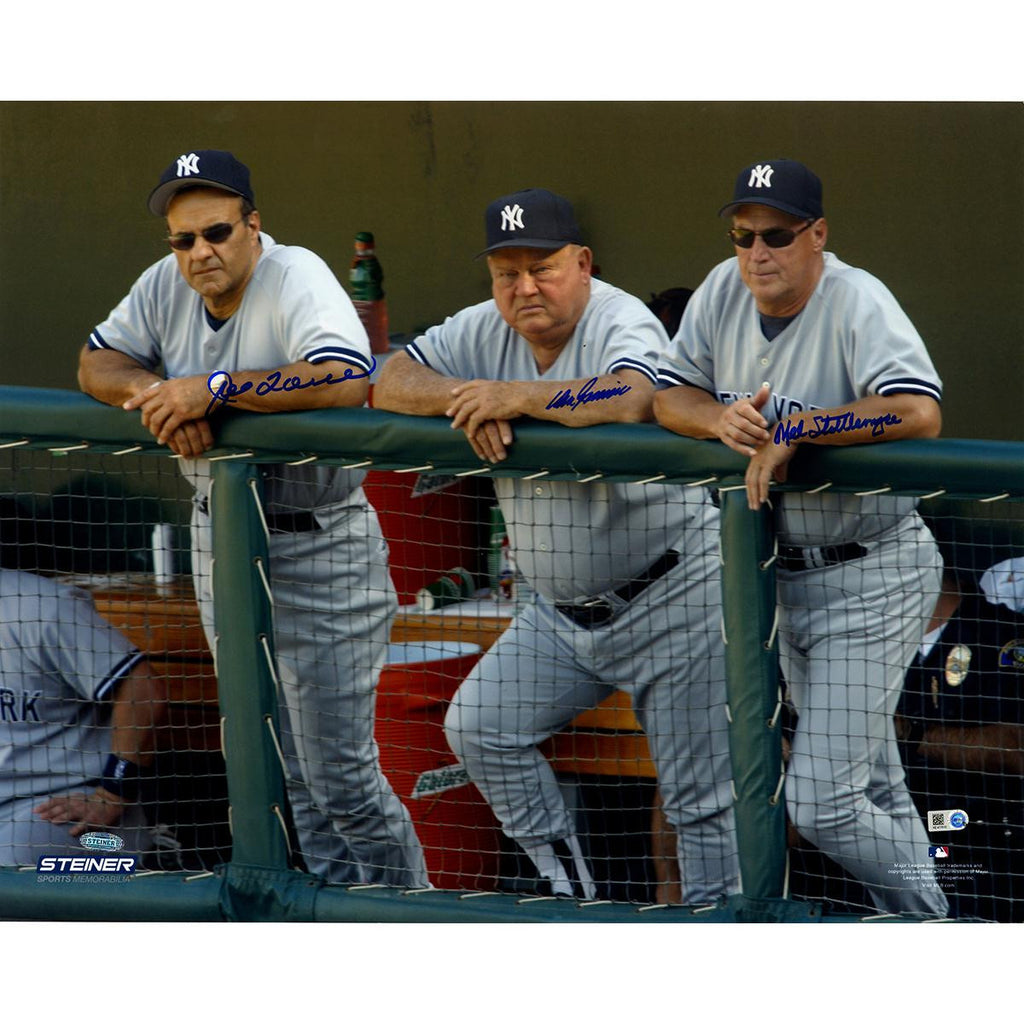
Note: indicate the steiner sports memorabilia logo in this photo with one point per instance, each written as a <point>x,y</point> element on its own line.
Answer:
<point>86,865</point>
<point>102,841</point>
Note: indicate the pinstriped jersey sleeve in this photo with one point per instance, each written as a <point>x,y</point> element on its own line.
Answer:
<point>465,345</point>
<point>60,637</point>
<point>624,331</point>
<point>135,326</point>
<point>887,355</point>
<point>689,356</point>
<point>317,319</point>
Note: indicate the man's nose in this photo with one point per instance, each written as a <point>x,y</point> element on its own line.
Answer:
<point>526,284</point>
<point>201,249</point>
<point>760,249</point>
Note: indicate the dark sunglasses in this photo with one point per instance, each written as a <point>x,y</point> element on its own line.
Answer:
<point>214,234</point>
<point>774,238</point>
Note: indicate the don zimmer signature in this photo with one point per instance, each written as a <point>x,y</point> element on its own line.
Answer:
<point>823,425</point>
<point>587,393</point>
<point>225,390</point>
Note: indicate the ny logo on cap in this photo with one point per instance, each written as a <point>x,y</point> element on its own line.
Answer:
<point>761,176</point>
<point>188,163</point>
<point>511,218</point>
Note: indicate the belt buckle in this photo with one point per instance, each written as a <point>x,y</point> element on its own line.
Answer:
<point>595,611</point>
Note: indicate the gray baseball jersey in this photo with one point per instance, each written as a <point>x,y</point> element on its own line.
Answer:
<point>579,540</point>
<point>847,630</point>
<point>293,309</point>
<point>333,598</point>
<point>60,663</point>
<point>851,340</point>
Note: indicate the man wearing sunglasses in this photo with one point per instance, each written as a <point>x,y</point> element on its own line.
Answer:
<point>782,345</point>
<point>230,303</point>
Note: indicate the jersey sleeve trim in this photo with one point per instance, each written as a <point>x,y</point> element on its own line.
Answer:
<point>348,355</point>
<point>413,350</point>
<point>626,363</point>
<point>96,341</point>
<point>116,674</point>
<point>910,385</point>
<point>670,378</point>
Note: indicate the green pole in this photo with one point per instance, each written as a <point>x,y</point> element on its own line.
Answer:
<point>248,697</point>
<point>748,600</point>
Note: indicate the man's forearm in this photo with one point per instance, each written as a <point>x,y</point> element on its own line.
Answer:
<point>112,377</point>
<point>139,709</point>
<point>409,387</point>
<point>688,410</point>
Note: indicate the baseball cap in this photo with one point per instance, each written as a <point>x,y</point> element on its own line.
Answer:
<point>209,168</point>
<point>783,184</point>
<point>533,218</point>
<point>1003,583</point>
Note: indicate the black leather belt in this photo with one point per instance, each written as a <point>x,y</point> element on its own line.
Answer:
<point>599,611</point>
<point>291,522</point>
<point>794,559</point>
<point>302,521</point>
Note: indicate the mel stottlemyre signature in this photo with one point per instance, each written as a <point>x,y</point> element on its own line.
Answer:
<point>585,394</point>
<point>788,431</point>
<point>225,390</point>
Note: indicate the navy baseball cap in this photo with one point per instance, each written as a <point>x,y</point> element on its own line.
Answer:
<point>207,168</point>
<point>783,184</point>
<point>531,219</point>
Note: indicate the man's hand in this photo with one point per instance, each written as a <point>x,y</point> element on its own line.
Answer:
<point>474,402</point>
<point>100,809</point>
<point>167,404</point>
<point>492,439</point>
<point>174,412</point>
<point>741,425</point>
<point>770,462</point>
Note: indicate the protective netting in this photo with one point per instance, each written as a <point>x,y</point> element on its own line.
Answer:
<point>904,717</point>
<point>540,624</point>
<point>96,565</point>
<point>518,684</point>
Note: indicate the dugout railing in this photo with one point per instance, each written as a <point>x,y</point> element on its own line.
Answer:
<point>257,883</point>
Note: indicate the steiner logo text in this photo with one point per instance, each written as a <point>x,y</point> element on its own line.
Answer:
<point>86,865</point>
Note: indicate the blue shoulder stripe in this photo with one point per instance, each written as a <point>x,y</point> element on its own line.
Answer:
<point>348,355</point>
<point>117,673</point>
<point>911,385</point>
<point>626,363</point>
<point>415,352</point>
<point>669,377</point>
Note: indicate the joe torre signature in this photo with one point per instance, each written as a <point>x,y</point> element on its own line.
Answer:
<point>587,393</point>
<point>225,390</point>
<point>789,431</point>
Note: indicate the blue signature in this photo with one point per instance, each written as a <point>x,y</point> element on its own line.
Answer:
<point>587,393</point>
<point>823,425</point>
<point>225,390</point>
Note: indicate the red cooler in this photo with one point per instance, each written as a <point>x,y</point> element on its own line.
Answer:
<point>459,833</point>
<point>427,534</point>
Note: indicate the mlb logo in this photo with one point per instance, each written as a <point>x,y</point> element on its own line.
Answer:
<point>938,851</point>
